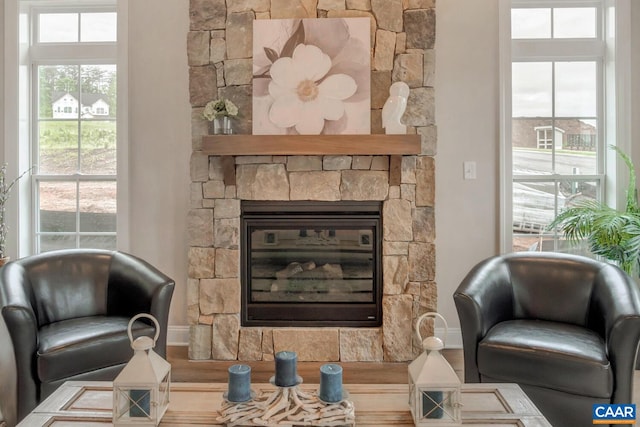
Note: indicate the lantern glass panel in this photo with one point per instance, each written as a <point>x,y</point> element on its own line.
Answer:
<point>134,403</point>
<point>412,395</point>
<point>164,390</point>
<point>441,405</point>
<point>140,403</point>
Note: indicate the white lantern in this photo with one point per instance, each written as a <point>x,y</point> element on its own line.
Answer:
<point>434,387</point>
<point>141,390</point>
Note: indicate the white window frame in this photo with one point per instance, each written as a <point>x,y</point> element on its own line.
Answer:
<point>615,94</point>
<point>20,111</point>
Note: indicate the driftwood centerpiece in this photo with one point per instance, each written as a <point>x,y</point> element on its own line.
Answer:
<point>287,406</point>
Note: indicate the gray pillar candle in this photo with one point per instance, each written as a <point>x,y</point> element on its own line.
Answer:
<point>239,383</point>
<point>286,369</point>
<point>331,383</point>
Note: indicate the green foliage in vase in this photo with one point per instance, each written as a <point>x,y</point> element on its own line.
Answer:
<point>611,233</point>
<point>219,108</point>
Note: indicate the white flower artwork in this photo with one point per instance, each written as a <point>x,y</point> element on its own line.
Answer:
<point>311,76</point>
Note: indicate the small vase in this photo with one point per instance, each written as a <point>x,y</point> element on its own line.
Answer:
<point>222,126</point>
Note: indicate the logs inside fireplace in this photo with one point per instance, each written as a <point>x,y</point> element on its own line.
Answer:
<point>311,263</point>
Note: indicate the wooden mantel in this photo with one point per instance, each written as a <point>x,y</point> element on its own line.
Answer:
<point>306,145</point>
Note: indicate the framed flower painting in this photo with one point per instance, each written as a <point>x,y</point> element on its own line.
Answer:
<point>311,76</point>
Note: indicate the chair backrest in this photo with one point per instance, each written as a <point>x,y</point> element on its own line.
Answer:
<point>552,286</point>
<point>67,284</point>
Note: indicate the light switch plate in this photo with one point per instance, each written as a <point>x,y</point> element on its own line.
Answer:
<point>469,169</point>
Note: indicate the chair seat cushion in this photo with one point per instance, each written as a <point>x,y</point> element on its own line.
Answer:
<point>74,346</point>
<point>546,354</point>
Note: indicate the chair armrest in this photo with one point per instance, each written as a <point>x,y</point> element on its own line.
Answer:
<point>615,313</point>
<point>483,299</point>
<point>20,321</point>
<point>135,286</point>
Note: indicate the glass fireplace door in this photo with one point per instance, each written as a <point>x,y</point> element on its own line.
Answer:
<point>320,268</point>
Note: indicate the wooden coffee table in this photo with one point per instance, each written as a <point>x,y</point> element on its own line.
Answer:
<point>89,404</point>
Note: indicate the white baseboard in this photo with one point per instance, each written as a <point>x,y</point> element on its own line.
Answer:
<point>179,336</point>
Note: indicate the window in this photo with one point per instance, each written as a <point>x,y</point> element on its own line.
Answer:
<point>73,66</point>
<point>555,146</point>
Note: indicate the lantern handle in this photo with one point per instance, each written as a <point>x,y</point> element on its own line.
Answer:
<point>434,315</point>
<point>148,316</point>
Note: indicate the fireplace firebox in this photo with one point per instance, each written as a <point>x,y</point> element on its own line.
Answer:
<point>311,263</point>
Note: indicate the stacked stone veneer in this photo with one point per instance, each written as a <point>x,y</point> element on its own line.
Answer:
<point>220,64</point>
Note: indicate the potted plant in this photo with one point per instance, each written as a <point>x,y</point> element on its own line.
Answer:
<point>611,233</point>
<point>220,111</point>
<point>5,191</point>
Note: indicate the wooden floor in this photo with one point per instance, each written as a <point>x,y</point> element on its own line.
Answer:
<point>184,370</point>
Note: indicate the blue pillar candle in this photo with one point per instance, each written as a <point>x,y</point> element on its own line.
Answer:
<point>239,383</point>
<point>140,405</point>
<point>331,383</point>
<point>286,369</point>
<point>432,404</point>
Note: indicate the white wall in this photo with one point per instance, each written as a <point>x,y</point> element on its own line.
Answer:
<point>467,117</point>
<point>160,140</point>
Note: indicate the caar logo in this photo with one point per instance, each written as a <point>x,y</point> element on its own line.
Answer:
<point>614,414</point>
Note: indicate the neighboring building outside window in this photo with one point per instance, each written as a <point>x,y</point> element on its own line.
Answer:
<point>545,137</point>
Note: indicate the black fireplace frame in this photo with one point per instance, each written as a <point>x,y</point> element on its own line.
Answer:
<point>277,213</point>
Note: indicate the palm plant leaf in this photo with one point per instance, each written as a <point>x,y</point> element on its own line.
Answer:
<point>633,243</point>
<point>632,194</point>
<point>610,233</point>
<point>578,222</point>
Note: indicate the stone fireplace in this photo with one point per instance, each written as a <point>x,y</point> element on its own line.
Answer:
<point>219,52</point>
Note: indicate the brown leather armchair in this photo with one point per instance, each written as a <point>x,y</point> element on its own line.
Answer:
<point>67,313</point>
<point>563,327</point>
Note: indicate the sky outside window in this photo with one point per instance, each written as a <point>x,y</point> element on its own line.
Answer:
<point>77,27</point>
<point>568,22</point>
